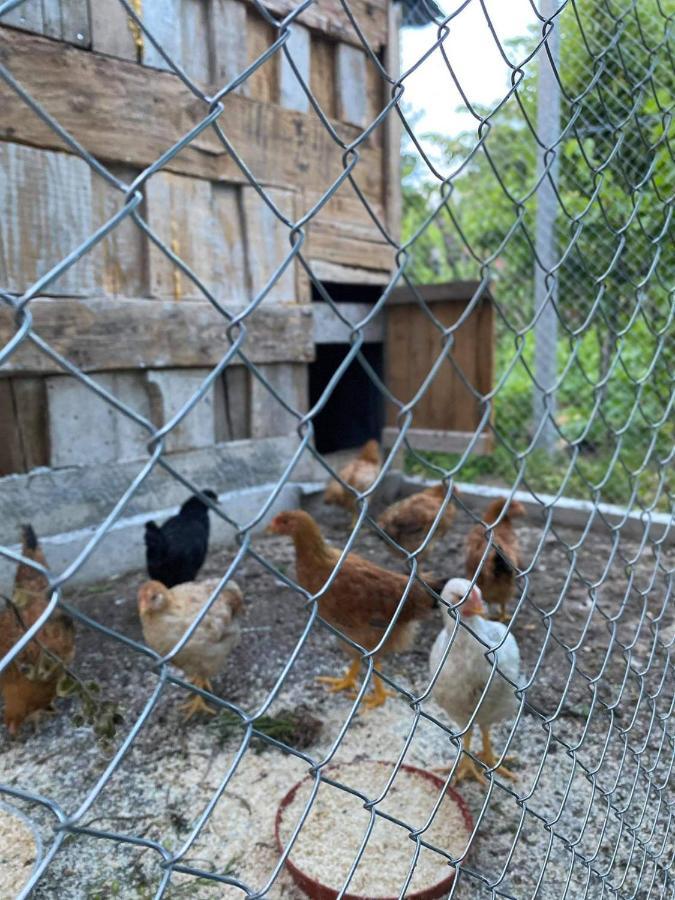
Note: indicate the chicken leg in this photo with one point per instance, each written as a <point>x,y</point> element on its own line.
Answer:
<point>348,682</point>
<point>197,703</point>
<point>487,755</point>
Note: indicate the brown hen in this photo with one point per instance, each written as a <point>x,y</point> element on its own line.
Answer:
<point>360,473</point>
<point>497,578</point>
<point>360,602</point>
<point>28,683</point>
<point>408,521</point>
<point>166,614</point>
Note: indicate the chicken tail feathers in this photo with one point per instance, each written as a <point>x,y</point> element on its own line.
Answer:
<point>30,541</point>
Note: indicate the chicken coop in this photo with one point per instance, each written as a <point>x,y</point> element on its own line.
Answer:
<point>142,309</point>
<point>336,444</point>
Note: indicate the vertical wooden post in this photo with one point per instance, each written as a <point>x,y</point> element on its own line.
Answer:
<point>392,145</point>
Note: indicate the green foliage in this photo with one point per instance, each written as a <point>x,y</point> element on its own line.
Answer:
<point>617,267</point>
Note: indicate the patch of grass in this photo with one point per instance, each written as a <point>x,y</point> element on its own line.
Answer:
<point>295,727</point>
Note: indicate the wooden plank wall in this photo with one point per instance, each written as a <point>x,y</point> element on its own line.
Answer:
<point>104,81</point>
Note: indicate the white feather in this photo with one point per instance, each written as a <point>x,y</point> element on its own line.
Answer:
<point>469,665</point>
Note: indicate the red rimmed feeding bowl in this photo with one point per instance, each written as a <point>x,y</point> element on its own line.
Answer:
<point>316,889</point>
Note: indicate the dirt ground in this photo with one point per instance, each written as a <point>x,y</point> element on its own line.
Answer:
<point>590,812</point>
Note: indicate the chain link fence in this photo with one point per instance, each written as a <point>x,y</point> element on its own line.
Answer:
<point>600,294</point>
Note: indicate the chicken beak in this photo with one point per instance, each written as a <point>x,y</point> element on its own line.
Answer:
<point>271,528</point>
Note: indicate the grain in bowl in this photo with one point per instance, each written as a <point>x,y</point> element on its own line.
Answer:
<point>332,834</point>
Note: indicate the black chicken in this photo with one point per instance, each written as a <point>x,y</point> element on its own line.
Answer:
<point>175,552</point>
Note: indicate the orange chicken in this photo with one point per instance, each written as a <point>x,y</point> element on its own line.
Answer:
<point>166,614</point>
<point>408,521</point>
<point>497,578</point>
<point>360,473</point>
<point>361,600</point>
<point>28,683</point>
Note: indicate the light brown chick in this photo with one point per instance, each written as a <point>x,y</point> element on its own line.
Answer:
<point>166,614</point>
<point>28,683</point>
<point>360,473</point>
<point>408,521</point>
<point>361,600</point>
<point>497,578</point>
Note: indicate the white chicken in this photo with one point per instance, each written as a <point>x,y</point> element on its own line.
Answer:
<point>466,671</point>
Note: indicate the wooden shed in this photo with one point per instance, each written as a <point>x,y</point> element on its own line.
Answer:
<point>82,73</point>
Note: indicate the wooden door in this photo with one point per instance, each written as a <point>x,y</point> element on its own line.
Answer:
<point>449,412</point>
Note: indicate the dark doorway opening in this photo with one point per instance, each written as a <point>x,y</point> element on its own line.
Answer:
<point>354,412</point>
<point>348,293</point>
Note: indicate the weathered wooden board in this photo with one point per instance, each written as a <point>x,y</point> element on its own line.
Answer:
<point>227,33</point>
<point>291,92</point>
<point>65,20</point>
<point>162,18</point>
<point>47,213</point>
<point>351,83</point>
<point>30,405</point>
<point>195,56</point>
<point>98,336</point>
<point>268,243</point>
<point>268,417</point>
<point>263,84</point>
<point>120,258</point>
<point>201,222</point>
<point>344,232</point>
<point>128,113</point>
<point>329,17</point>
<point>414,343</point>
<point>322,74</point>
<point>112,31</point>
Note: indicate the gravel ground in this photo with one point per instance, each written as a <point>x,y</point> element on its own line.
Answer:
<point>588,805</point>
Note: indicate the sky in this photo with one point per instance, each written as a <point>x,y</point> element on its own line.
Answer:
<point>474,55</point>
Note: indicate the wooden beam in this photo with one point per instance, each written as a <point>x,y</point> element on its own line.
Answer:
<point>440,441</point>
<point>122,112</point>
<point>461,291</point>
<point>100,335</point>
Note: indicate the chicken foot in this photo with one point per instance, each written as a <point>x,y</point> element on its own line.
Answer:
<point>378,695</point>
<point>348,682</point>
<point>197,704</point>
<point>469,769</point>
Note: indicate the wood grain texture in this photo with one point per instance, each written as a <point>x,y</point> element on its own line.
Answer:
<point>227,34</point>
<point>329,17</point>
<point>23,425</point>
<point>343,232</point>
<point>97,335</point>
<point>128,113</point>
<point>291,92</point>
<point>268,243</point>
<point>350,75</point>
<point>110,30</point>
<point>392,127</point>
<point>162,18</point>
<point>263,84</point>
<point>47,213</point>
<point>414,343</point>
<point>322,74</point>
<point>201,222</point>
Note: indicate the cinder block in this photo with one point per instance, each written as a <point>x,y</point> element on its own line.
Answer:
<point>86,430</point>
<point>268,417</point>
<point>170,390</point>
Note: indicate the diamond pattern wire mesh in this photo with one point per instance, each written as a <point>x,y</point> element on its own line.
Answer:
<point>610,281</point>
